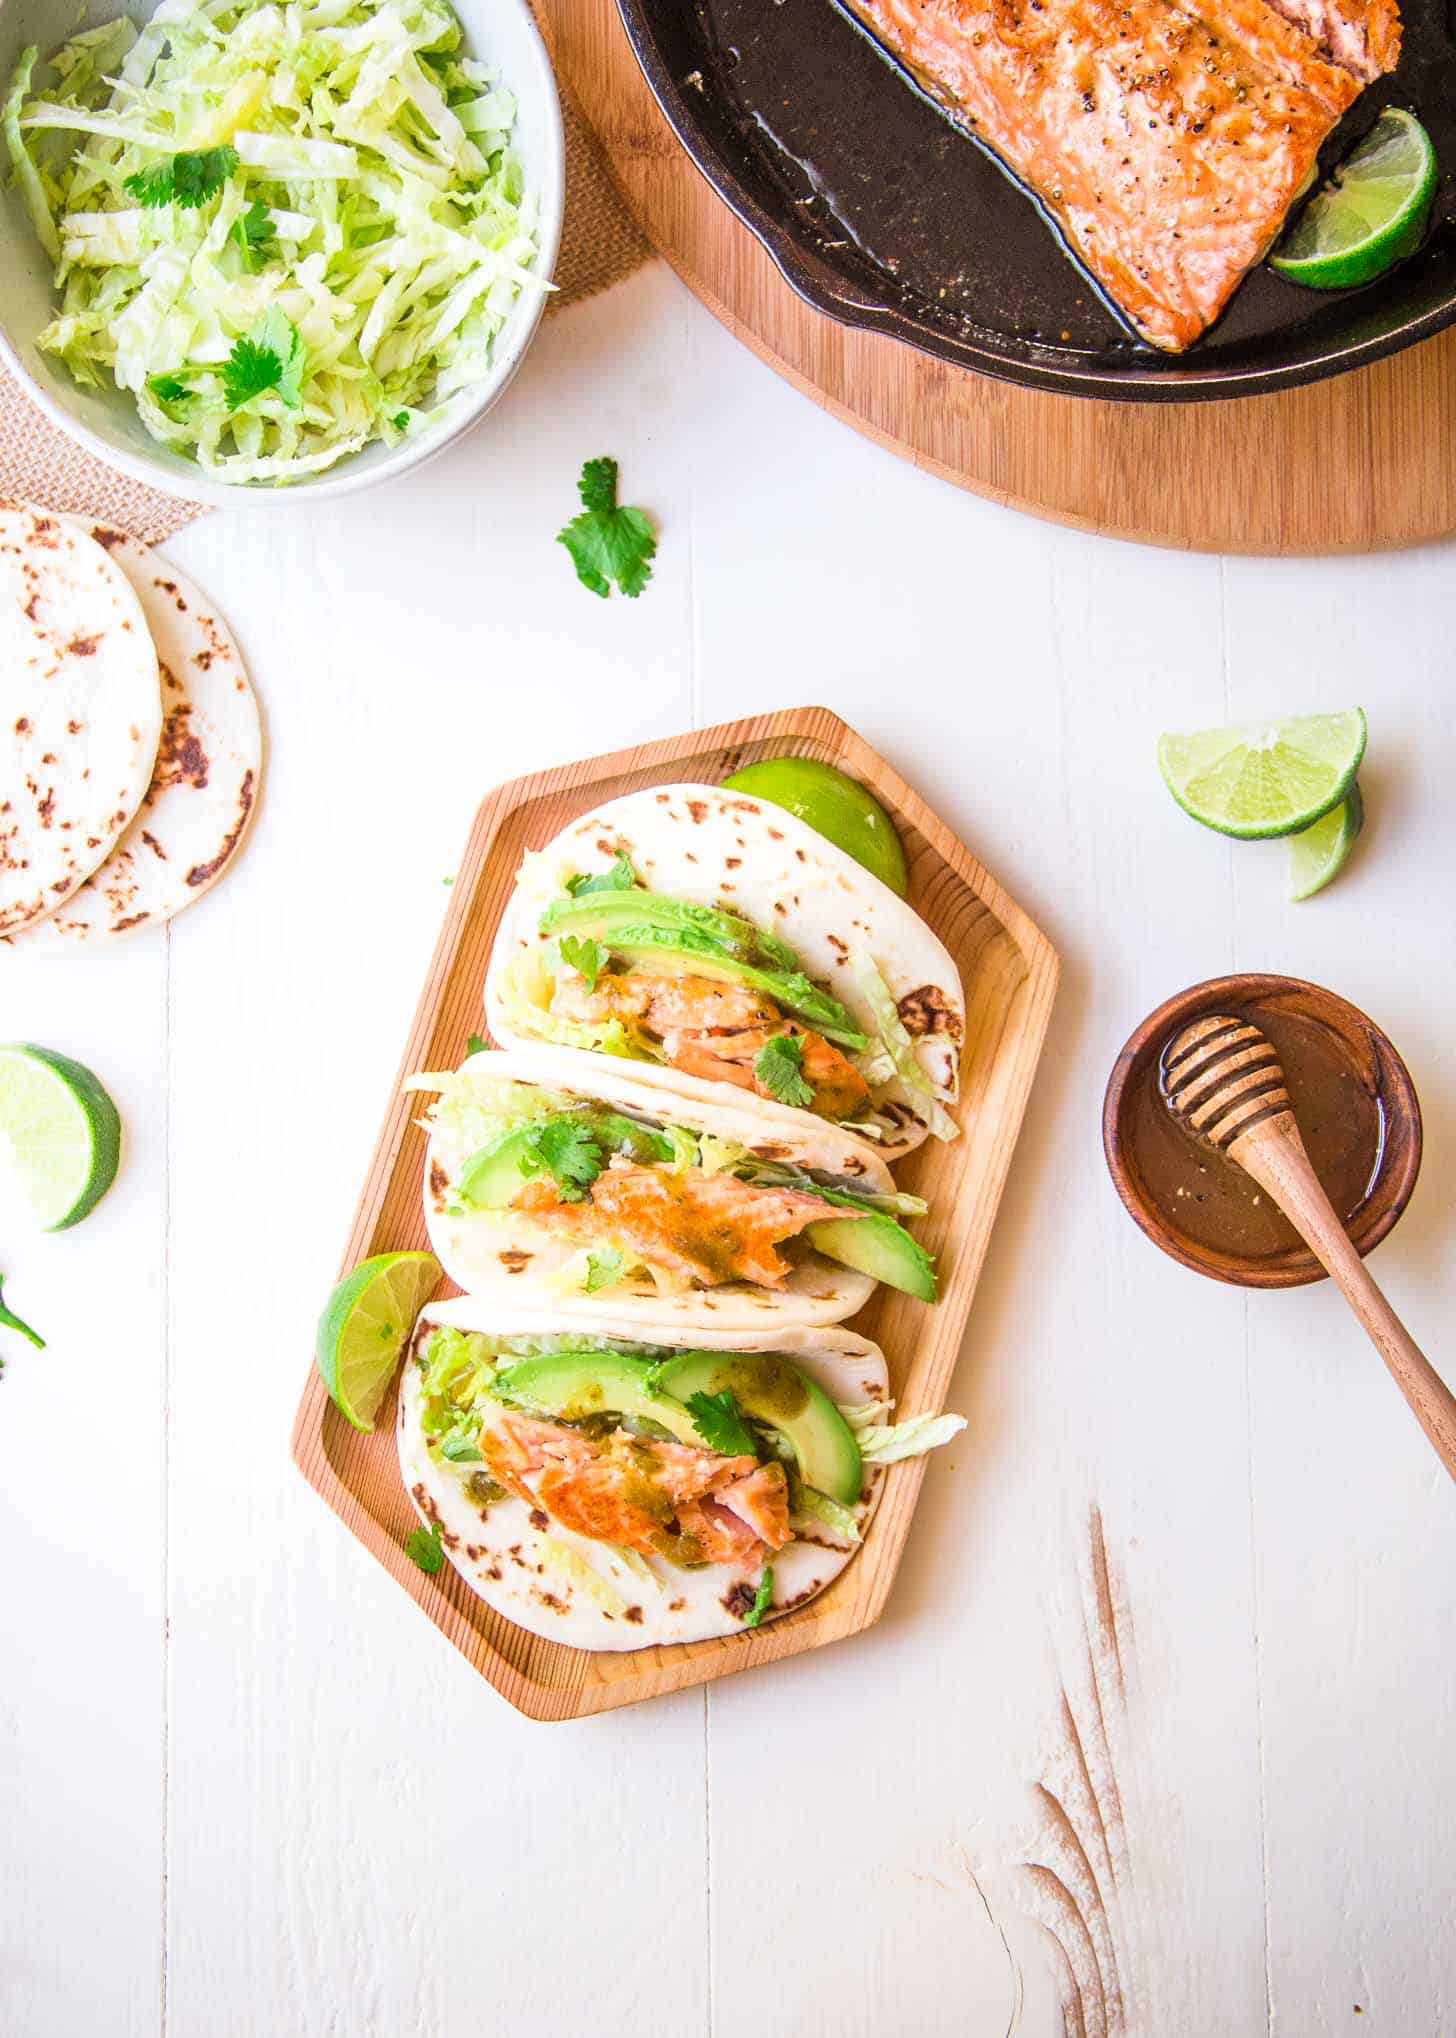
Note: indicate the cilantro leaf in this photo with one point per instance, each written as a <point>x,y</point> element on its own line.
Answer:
<point>607,543</point>
<point>10,1321</point>
<point>583,955</point>
<point>423,1548</point>
<point>761,1599</point>
<point>565,1149</point>
<point>718,1420</point>
<point>605,1267</point>
<point>168,388</point>
<point>618,877</point>
<point>779,1066</point>
<point>401,420</point>
<point>474,1044</point>
<point>254,236</point>
<point>271,356</point>
<point>189,178</point>
<point>460,1451</point>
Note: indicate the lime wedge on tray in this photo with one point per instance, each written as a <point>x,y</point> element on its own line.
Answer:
<point>62,1130</point>
<point>834,805</point>
<point>1370,215</point>
<point>362,1331</point>
<point>1318,854</point>
<point>1264,778</point>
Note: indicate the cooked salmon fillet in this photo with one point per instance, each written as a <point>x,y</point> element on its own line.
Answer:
<point>714,1029</point>
<point>706,1229</point>
<point>660,1498</point>
<point>1362,36</point>
<point>1168,142</point>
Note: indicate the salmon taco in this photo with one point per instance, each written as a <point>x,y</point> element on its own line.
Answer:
<point>724,941</point>
<point>562,1176</point>
<point>613,1493</point>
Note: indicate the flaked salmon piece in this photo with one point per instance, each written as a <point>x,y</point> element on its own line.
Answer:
<point>707,1229</point>
<point>1362,36</point>
<point>663,1499</point>
<point>1168,142</point>
<point>715,1030</point>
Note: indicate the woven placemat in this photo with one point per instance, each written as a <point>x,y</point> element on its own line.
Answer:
<point>38,463</point>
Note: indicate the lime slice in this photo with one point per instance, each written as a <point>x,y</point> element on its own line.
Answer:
<point>835,806</point>
<point>1370,215</point>
<point>62,1130</point>
<point>364,1326</point>
<point>1264,778</point>
<point>1318,854</point>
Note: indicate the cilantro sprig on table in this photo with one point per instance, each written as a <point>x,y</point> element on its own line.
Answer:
<point>608,543</point>
<point>779,1066</point>
<point>189,178</point>
<point>10,1321</point>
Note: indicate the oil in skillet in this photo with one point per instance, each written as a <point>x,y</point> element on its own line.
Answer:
<point>1210,1199</point>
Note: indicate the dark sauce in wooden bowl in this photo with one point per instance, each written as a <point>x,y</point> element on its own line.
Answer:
<point>1209,1198</point>
<point>1357,1111</point>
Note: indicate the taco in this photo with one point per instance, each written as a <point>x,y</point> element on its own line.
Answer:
<point>726,942</point>
<point>559,1176</point>
<point>613,1493</point>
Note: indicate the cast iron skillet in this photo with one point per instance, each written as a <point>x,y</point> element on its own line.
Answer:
<point>883,214</point>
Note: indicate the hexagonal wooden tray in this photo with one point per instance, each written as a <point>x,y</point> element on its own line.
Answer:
<point>1010,973</point>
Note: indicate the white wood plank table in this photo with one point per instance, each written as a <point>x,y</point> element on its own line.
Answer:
<point>244,1788</point>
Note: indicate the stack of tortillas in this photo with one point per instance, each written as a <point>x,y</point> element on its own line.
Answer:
<point>130,742</point>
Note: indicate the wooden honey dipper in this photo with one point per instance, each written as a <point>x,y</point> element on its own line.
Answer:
<point>1223,1080</point>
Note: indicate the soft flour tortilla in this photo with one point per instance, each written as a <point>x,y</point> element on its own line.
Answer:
<point>503,1257</point>
<point>712,846</point>
<point>80,711</point>
<point>205,783</point>
<point>567,1587</point>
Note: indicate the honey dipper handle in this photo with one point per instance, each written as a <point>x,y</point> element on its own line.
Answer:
<point>1274,1155</point>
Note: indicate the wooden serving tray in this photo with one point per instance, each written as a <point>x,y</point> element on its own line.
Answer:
<point>1009,970</point>
<point>1359,462</point>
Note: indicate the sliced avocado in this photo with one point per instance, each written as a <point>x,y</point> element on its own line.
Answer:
<point>574,1385</point>
<point>774,1391</point>
<point>875,1244</point>
<point>715,943</point>
<point>493,1174</point>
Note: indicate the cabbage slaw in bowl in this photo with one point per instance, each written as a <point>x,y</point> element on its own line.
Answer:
<point>284,231</point>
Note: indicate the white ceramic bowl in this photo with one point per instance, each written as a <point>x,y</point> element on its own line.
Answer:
<point>498,32</point>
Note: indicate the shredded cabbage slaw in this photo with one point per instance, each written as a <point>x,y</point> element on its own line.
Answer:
<point>374,202</point>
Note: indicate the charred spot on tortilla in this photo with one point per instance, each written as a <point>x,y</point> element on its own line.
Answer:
<point>698,811</point>
<point>549,1599</point>
<point>733,862</point>
<point>22,726</point>
<point>676,1605</point>
<point>738,1600</point>
<point>663,799</point>
<point>439,1183</point>
<point>154,845</point>
<point>203,873</point>
<point>633,1614</point>
<point>515,1260</point>
<point>106,537</point>
<point>181,759</point>
<point>538,1518</point>
<point>928,1010</point>
<point>835,942</point>
<point>85,647</point>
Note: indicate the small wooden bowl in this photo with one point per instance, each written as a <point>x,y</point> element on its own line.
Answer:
<point>1371,1055</point>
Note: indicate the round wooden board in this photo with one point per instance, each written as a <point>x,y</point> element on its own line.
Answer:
<point>1364,461</point>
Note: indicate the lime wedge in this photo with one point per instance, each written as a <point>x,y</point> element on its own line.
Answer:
<point>1264,778</point>
<point>1318,854</point>
<point>833,805</point>
<point>62,1130</point>
<point>362,1331</point>
<point>1370,215</point>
